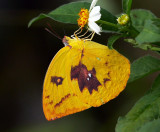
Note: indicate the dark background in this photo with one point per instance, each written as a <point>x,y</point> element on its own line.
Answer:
<point>25,56</point>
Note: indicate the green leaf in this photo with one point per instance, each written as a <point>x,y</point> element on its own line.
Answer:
<point>145,114</point>
<point>41,16</point>
<point>156,22</point>
<point>126,5</point>
<point>139,16</point>
<point>68,13</point>
<point>112,40</point>
<point>145,46</point>
<point>153,125</point>
<point>149,34</point>
<point>144,66</point>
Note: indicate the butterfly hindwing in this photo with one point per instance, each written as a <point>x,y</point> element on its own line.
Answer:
<point>100,75</point>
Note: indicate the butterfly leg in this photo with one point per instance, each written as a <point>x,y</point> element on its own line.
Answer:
<point>83,34</point>
<point>76,33</point>
<point>91,34</point>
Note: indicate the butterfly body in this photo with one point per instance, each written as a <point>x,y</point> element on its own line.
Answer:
<point>83,74</point>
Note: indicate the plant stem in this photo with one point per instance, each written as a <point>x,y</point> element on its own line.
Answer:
<point>108,23</point>
<point>132,31</point>
<point>155,49</point>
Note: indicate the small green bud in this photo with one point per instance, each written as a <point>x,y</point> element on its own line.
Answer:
<point>123,19</point>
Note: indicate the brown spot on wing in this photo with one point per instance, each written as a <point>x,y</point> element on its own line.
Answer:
<point>82,53</point>
<point>105,80</point>
<point>86,79</point>
<point>51,102</point>
<point>56,80</point>
<point>47,97</point>
<point>64,98</point>
<point>109,74</point>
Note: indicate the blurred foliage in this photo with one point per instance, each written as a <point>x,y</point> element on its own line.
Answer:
<point>144,66</point>
<point>126,5</point>
<point>144,116</point>
<point>139,16</point>
<point>26,54</point>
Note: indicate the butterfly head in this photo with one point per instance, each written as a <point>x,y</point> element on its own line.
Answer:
<point>73,42</point>
<point>65,40</point>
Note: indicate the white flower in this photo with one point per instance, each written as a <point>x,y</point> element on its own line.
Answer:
<point>90,17</point>
<point>94,15</point>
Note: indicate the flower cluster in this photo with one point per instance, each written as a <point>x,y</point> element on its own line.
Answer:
<point>83,17</point>
<point>90,17</point>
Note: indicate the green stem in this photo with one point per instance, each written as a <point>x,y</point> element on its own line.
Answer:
<point>132,31</point>
<point>155,48</point>
<point>108,23</point>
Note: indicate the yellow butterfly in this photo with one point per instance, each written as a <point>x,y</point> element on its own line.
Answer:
<point>83,74</point>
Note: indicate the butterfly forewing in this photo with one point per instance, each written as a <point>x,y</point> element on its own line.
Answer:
<point>58,98</point>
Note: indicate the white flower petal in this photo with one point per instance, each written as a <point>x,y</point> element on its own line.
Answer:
<point>95,10</point>
<point>93,4</point>
<point>94,27</point>
<point>94,17</point>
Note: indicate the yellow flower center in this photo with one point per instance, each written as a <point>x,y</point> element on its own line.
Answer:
<point>83,17</point>
<point>123,19</point>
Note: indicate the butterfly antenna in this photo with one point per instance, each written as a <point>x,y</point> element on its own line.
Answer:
<point>51,31</point>
<point>64,32</point>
